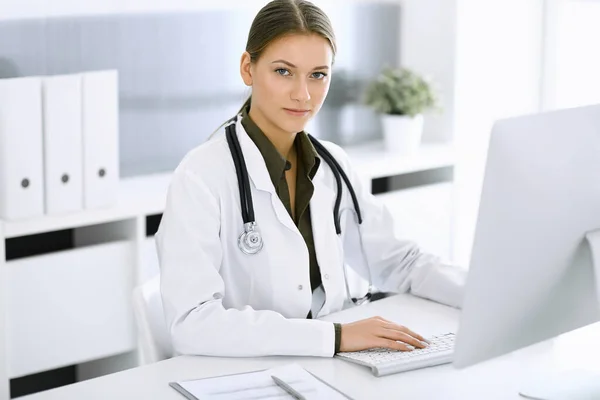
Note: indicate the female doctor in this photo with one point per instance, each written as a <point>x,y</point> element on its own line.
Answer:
<point>262,221</point>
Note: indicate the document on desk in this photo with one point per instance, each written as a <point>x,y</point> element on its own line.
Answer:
<point>258,385</point>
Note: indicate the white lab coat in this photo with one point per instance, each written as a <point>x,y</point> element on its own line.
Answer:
<point>219,301</point>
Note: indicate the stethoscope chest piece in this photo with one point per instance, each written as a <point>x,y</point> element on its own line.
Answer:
<point>250,241</point>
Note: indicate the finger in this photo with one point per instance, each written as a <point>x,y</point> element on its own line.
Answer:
<point>403,337</point>
<point>408,331</point>
<point>393,345</point>
<point>380,319</point>
<point>416,335</point>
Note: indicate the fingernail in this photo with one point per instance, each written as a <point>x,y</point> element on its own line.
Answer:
<point>425,344</point>
<point>410,347</point>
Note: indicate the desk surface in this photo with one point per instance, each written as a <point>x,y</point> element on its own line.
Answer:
<point>496,379</point>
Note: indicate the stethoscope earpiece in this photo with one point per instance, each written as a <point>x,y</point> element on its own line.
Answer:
<point>365,299</point>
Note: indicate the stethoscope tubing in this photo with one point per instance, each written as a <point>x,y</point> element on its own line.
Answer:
<point>247,206</point>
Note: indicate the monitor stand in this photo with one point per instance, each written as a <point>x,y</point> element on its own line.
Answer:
<point>574,384</point>
<point>565,385</point>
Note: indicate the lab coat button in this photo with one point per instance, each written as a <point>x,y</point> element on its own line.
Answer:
<point>326,276</point>
<point>299,287</point>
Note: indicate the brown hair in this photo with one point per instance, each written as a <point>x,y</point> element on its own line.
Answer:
<point>285,17</point>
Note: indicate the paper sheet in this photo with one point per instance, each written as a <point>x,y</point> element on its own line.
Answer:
<point>259,385</point>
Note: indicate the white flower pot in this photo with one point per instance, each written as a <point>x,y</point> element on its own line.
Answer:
<point>402,134</point>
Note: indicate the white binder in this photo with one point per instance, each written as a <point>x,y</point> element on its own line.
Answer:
<point>100,138</point>
<point>21,153</point>
<point>63,159</point>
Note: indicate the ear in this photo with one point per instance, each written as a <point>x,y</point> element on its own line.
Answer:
<point>246,68</point>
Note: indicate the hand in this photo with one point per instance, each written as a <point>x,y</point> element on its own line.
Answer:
<point>377,332</point>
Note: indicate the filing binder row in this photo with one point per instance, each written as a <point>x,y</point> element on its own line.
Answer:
<point>58,144</point>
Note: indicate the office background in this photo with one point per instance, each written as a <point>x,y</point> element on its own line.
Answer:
<point>179,71</point>
<point>489,59</point>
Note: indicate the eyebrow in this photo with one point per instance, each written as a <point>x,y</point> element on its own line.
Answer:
<point>293,66</point>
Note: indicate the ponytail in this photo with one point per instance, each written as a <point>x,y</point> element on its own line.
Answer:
<point>246,104</point>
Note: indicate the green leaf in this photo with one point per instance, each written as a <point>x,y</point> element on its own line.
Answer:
<point>400,91</point>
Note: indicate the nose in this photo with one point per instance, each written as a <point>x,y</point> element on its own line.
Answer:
<point>300,92</point>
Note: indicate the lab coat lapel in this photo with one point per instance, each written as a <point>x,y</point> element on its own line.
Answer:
<point>259,175</point>
<point>328,247</point>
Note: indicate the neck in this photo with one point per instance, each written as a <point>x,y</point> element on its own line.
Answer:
<point>283,141</point>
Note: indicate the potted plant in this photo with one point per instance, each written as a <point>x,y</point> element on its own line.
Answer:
<point>401,96</point>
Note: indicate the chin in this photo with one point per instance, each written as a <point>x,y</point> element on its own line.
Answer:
<point>293,126</point>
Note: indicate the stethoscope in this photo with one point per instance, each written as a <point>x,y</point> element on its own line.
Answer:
<point>250,240</point>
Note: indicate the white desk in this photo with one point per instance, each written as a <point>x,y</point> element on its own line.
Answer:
<point>496,379</point>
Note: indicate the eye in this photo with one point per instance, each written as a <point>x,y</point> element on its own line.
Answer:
<point>319,75</point>
<point>282,71</point>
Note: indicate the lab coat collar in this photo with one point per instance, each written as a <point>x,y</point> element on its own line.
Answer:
<point>257,169</point>
<point>259,175</point>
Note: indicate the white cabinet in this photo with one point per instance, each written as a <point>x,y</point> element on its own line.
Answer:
<point>69,306</point>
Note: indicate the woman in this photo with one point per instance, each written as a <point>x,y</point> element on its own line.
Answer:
<point>221,301</point>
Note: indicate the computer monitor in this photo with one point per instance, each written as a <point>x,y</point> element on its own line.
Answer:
<point>532,274</point>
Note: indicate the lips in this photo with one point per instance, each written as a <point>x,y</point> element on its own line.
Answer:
<point>296,112</point>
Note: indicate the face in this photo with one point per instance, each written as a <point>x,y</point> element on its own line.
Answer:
<point>290,81</point>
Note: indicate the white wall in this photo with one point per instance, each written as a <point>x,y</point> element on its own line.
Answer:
<point>575,80</point>
<point>428,40</point>
<point>12,9</point>
<point>498,64</point>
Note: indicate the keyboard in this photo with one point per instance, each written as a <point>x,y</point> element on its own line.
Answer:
<point>385,361</point>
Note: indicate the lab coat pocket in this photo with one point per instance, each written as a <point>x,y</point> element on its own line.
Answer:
<point>254,274</point>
